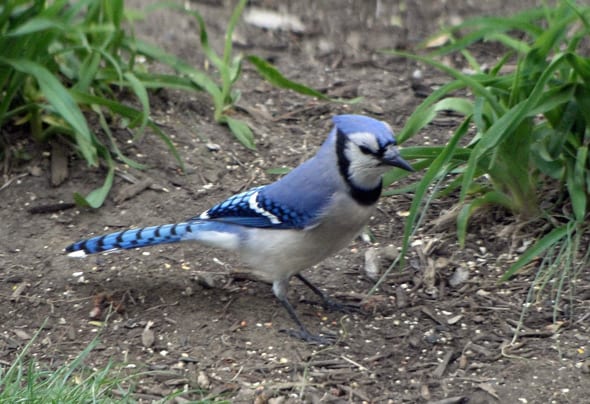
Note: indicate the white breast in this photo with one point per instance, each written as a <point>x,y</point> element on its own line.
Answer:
<point>279,254</point>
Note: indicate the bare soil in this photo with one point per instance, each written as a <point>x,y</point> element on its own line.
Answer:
<point>425,335</point>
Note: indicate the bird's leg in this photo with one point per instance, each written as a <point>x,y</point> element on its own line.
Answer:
<point>327,302</point>
<point>280,290</point>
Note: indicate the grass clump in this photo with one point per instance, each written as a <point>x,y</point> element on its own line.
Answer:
<point>228,67</point>
<point>523,143</point>
<point>64,63</point>
<point>27,381</point>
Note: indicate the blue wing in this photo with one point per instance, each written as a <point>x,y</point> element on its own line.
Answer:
<point>296,201</point>
<point>253,208</point>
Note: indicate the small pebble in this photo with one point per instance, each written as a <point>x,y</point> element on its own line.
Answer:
<point>372,269</point>
<point>460,276</point>
<point>203,380</point>
<point>213,147</point>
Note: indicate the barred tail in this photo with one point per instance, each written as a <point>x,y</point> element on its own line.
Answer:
<point>134,238</point>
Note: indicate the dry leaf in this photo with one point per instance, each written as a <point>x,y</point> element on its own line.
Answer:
<point>21,334</point>
<point>203,380</point>
<point>460,276</point>
<point>438,40</point>
<point>147,336</point>
<point>372,264</point>
<point>272,20</point>
<point>488,389</point>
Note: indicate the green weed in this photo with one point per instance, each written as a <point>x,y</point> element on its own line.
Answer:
<point>524,128</point>
<point>228,67</point>
<point>63,61</point>
<point>27,381</point>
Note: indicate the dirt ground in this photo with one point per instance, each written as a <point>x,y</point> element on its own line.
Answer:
<point>441,331</point>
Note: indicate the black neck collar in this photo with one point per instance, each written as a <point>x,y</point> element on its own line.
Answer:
<point>365,197</point>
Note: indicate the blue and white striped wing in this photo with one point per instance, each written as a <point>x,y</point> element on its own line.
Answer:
<point>253,209</point>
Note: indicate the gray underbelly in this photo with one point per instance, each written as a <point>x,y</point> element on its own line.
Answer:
<point>278,254</point>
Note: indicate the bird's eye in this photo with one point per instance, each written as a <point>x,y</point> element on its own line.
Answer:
<point>365,150</point>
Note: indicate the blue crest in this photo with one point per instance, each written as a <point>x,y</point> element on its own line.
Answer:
<point>349,124</point>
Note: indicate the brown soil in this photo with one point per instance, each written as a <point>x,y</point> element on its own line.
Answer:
<point>418,339</point>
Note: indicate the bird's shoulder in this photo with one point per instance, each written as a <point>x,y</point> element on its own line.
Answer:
<point>257,207</point>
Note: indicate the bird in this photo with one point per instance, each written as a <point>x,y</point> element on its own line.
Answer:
<point>287,226</point>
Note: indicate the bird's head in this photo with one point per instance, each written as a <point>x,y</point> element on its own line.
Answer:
<point>366,150</point>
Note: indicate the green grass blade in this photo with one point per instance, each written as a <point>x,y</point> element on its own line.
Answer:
<point>168,142</point>
<point>130,113</point>
<point>88,71</point>
<point>198,77</point>
<point>96,198</point>
<point>116,107</point>
<point>115,11</point>
<point>421,157</point>
<point>278,170</point>
<point>507,124</point>
<point>542,245</point>
<point>423,115</point>
<point>576,183</point>
<point>431,152</point>
<point>59,97</point>
<point>211,55</point>
<point>11,374</point>
<point>473,82</point>
<point>76,363</point>
<point>273,76</point>
<point>480,27</point>
<point>433,172</point>
<point>509,41</point>
<point>170,81</point>
<point>241,131</point>
<point>204,39</point>
<point>233,21</point>
<point>552,99</point>
<point>142,95</point>
<point>581,66</point>
<point>467,210</point>
<point>114,147</point>
<point>36,25</point>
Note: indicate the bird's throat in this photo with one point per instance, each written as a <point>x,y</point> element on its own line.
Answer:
<point>363,196</point>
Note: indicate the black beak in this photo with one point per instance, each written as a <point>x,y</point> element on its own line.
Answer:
<point>392,157</point>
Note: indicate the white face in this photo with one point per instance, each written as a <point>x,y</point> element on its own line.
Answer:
<point>366,168</point>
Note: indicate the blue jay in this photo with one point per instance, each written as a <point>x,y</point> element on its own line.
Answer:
<point>282,228</point>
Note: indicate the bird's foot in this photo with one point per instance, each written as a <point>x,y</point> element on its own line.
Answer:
<point>347,308</point>
<point>333,305</point>
<point>310,338</point>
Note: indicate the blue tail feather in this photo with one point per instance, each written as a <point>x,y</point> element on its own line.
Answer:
<point>134,238</point>
<point>209,232</point>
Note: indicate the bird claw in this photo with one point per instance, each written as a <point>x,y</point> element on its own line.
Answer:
<point>310,338</point>
<point>342,307</point>
<point>332,305</point>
